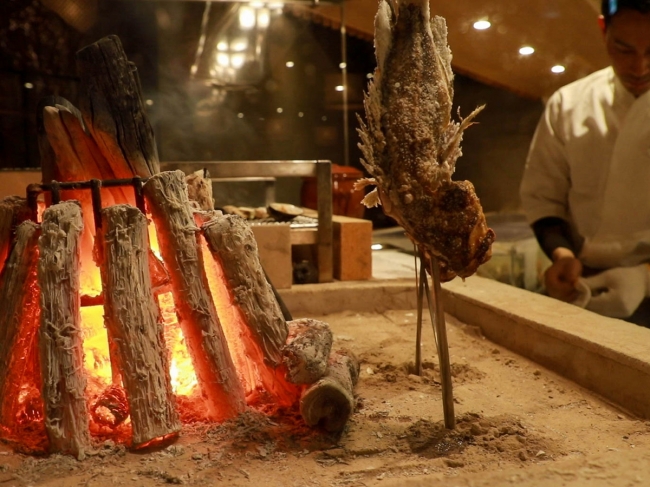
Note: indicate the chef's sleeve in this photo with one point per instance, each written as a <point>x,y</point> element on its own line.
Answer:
<point>545,184</point>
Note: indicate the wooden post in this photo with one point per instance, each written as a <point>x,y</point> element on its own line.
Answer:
<point>167,199</point>
<point>19,316</point>
<point>60,339</point>
<point>133,323</point>
<point>307,350</point>
<point>112,108</point>
<point>330,401</point>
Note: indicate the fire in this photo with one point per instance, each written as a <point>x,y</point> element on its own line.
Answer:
<point>97,357</point>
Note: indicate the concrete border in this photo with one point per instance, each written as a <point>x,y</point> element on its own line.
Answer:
<point>607,356</point>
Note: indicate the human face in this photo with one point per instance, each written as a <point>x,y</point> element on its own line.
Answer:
<point>627,38</point>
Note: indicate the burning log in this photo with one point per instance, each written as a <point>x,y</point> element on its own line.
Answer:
<point>19,317</point>
<point>199,189</point>
<point>13,210</point>
<point>112,108</point>
<point>330,401</point>
<point>167,199</point>
<point>249,306</point>
<point>307,350</point>
<point>233,245</point>
<point>133,323</point>
<point>60,341</point>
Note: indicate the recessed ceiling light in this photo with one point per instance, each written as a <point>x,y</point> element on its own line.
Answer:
<point>558,68</point>
<point>526,51</point>
<point>290,64</point>
<point>339,88</point>
<point>482,25</point>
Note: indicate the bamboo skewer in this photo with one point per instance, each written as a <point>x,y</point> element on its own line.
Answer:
<point>437,316</point>
<point>443,346</point>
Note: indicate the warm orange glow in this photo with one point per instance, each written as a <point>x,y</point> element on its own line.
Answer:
<point>181,369</point>
<point>256,376</point>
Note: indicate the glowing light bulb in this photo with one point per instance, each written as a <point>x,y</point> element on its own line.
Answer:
<point>526,51</point>
<point>246,17</point>
<point>482,25</point>
<point>237,60</point>
<point>263,18</point>
<point>290,64</point>
<point>558,68</point>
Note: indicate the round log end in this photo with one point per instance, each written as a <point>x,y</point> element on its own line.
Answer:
<point>327,404</point>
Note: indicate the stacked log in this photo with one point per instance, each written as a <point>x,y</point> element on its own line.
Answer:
<point>13,211</point>
<point>257,327</point>
<point>19,296</point>
<point>329,402</point>
<point>60,340</point>
<point>166,195</point>
<point>133,323</point>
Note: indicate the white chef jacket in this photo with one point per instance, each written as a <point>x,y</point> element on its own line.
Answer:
<point>589,164</point>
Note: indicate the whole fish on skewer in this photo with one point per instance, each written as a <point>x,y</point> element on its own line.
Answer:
<point>410,144</point>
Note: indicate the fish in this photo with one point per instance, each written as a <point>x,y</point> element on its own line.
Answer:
<point>410,143</point>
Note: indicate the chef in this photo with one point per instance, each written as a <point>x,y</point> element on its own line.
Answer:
<point>586,186</point>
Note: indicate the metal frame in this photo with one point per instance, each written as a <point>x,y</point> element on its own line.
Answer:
<point>321,169</point>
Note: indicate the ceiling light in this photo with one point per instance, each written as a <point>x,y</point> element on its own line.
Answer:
<point>238,45</point>
<point>376,246</point>
<point>263,18</point>
<point>300,114</point>
<point>29,86</point>
<point>343,65</point>
<point>279,110</point>
<point>482,25</point>
<point>240,115</point>
<point>246,17</point>
<point>149,103</point>
<point>223,59</point>
<point>558,68</point>
<point>339,88</point>
<point>237,60</point>
<point>290,64</point>
<point>526,51</point>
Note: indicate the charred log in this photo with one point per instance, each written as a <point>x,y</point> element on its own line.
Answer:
<point>13,211</point>
<point>330,401</point>
<point>112,108</point>
<point>167,199</point>
<point>19,296</point>
<point>307,350</point>
<point>60,340</point>
<point>133,323</point>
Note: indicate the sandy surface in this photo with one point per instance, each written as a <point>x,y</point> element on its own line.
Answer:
<point>518,424</point>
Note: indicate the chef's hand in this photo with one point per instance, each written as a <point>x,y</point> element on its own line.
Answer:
<point>561,278</point>
<point>618,292</point>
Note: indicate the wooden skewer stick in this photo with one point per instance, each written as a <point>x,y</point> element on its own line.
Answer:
<point>443,347</point>
<point>419,280</point>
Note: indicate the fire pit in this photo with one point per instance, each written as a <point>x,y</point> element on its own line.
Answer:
<point>117,328</point>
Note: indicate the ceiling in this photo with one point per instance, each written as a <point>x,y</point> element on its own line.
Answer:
<point>562,32</point>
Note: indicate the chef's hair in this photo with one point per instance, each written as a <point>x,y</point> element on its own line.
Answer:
<point>609,8</point>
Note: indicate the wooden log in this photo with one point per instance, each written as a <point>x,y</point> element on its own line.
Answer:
<point>13,210</point>
<point>199,189</point>
<point>112,108</point>
<point>167,199</point>
<point>60,338</point>
<point>133,323</point>
<point>307,350</point>
<point>19,317</point>
<point>49,169</point>
<point>233,245</point>
<point>256,328</point>
<point>330,401</point>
